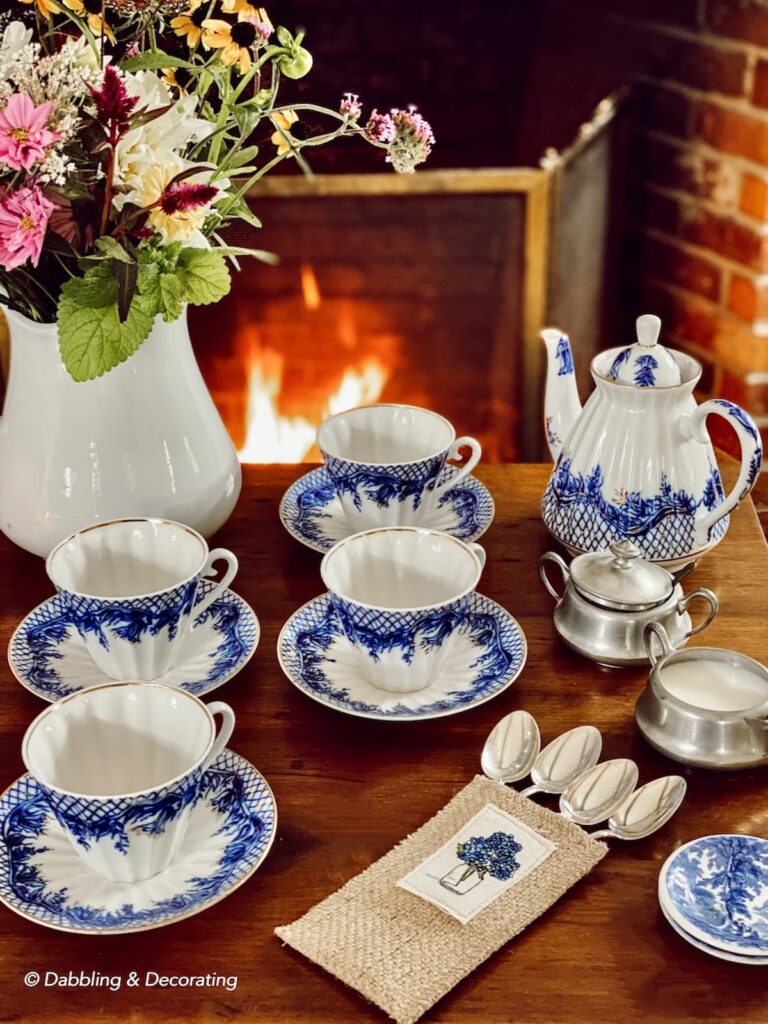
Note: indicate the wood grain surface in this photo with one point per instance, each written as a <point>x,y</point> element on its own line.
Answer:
<point>348,789</point>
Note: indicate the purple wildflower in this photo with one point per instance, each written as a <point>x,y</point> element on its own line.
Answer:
<point>380,128</point>
<point>351,106</point>
<point>412,142</point>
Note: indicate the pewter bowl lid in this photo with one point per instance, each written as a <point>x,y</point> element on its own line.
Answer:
<point>620,578</point>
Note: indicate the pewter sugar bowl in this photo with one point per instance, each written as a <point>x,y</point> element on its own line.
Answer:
<point>610,596</point>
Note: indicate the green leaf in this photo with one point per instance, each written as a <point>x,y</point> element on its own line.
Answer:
<point>111,247</point>
<point>171,297</point>
<point>97,288</point>
<point>204,275</point>
<point>154,60</point>
<point>92,340</point>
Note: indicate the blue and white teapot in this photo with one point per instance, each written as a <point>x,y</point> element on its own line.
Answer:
<point>636,463</point>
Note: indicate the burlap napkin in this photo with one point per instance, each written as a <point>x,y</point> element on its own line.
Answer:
<point>402,952</point>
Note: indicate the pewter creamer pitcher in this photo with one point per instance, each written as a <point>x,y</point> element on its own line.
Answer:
<point>637,463</point>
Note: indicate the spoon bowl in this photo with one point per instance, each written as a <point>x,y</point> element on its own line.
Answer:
<point>511,748</point>
<point>595,795</point>
<point>645,810</point>
<point>563,760</point>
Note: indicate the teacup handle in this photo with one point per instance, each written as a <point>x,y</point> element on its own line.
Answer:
<point>479,551</point>
<point>711,600</point>
<point>218,707</point>
<point>232,566</point>
<point>454,452</point>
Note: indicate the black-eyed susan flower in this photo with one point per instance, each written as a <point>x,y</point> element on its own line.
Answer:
<point>179,79</point>
<point>247,8</point>
<point>190,24</point>
<point>236,42</point>
<point>44,7</point>
<point>283,120</point>
<point>92,13</point>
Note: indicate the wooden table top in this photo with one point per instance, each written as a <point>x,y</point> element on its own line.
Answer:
<point>349,789</point>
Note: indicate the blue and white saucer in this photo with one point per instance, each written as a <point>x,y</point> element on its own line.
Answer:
<point>48,657</point>
<point>486,657</point>
<point>230,832</point>
<point>720,954</point>
<point>311,512</point>
<point>715,889</point>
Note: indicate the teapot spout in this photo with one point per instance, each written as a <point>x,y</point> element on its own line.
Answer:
<point>561,397</point>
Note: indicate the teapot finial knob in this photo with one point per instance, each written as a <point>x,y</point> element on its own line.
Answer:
<point>648,329</point>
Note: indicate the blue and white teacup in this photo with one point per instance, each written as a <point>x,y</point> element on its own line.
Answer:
<point>385,462</point>
<point>401,596</point>
<point>121,766</point>
<point>129,586</point>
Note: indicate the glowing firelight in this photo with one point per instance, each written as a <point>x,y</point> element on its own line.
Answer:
<point>272,437</point>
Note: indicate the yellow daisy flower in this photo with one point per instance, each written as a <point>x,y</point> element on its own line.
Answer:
<point>91,12</point>
<point>237,41</point>
<point>247,8</point>
<point>178,79</point>
<point>190,25</point>
<point>282,138</point>
<point>45,7</point>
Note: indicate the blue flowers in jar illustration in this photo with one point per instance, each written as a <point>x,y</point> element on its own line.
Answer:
<point>492,855</point>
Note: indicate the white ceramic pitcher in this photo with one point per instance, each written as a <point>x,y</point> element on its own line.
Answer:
<point>145,439</point>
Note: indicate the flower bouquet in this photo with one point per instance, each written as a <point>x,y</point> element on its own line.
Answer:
<point>130,134</point>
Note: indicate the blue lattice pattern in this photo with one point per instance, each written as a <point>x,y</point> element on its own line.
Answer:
<point>311,512</point>
<point>575,509</point>
<point>314,628</point>
<point>90,820</point>
<point>385,484</point>
<point>37,658</point>
<point>243,811</point>
<point>130,618</point>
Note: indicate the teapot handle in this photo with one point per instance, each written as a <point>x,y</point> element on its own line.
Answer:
<point>751,458</point>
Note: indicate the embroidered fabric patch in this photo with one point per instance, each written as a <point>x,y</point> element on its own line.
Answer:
<point>481,861</point>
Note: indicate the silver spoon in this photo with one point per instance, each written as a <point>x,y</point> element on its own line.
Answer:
<point>596,794</point>
<point>645,810</point>
<point>564,759</point>
<point>511,748</point>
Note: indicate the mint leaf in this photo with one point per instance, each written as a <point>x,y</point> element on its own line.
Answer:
<point>171,297</point>
<point>92,340</point>
<point>204,275</point>
<point>96,288</point>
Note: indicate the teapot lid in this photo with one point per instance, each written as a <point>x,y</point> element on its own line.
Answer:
<point>646,364</point>
<point>620,578</point>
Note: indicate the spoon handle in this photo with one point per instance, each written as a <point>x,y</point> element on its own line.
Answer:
<point>530,790</point>
<point>603,833</point>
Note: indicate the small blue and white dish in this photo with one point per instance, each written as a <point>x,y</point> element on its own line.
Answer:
<point>230,831</point>
<point>487,654</point>
<point>719,954</point>
<point>48,656</point>
<point>311,511</point>
<point>716,890</point>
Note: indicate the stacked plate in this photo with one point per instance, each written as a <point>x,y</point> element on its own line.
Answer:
<point>714,893</point>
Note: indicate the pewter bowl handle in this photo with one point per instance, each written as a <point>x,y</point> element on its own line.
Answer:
<point>710,598</point>
<point>656,629</point>
<point>551,556</point>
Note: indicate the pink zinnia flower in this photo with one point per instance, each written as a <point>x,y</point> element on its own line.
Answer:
<point>23,222</point>
<point>23,135</point>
